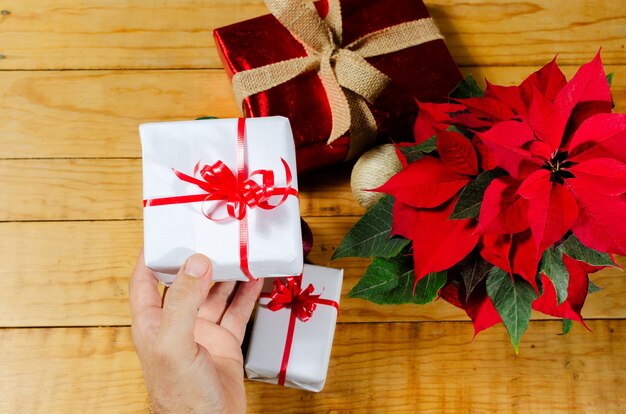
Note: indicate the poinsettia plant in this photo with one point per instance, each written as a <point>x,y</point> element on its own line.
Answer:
<point>508,199</point>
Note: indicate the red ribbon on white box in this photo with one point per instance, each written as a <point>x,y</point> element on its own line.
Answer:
<point>240,192</point>
<point>302,303</point>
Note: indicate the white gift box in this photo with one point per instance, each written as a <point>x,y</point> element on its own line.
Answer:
<point>311,341</point>
<point>173,232</point>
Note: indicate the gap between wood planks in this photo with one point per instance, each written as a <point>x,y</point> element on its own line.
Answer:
<point>368,322</point>
<point>221,68</point>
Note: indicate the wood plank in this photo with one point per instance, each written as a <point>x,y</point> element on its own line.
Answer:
<point>76,274</point>
<point>70,370</point>
<point>428,367</point>
<point>502,32</point>
<point>96,113</point>
<point>103,189</point>
<point>96,34</point>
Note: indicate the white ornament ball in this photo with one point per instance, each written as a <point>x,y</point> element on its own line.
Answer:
<point>372,170</point>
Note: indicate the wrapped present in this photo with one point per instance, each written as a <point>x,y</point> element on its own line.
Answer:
<point>344,72</point>
<point>293,331</point>
<point>225,188</point>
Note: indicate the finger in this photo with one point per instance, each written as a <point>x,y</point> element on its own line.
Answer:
<point>181,305</point>
<point>238,313</point>
<point>216,303</point>
<point>144,289</point>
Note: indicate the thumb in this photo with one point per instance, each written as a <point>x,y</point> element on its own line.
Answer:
<point>180,308</point>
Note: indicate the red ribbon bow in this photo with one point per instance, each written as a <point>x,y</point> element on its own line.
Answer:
<point>239,192</point>
<point>302,303</point>
<point>221,184</point>
<point>289,294</point>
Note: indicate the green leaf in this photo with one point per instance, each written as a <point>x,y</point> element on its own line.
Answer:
<point>609,79</point>
<point>467,88</point>
<point>390,281</point>
<point>552,265</point>
<point>370,235</point>
<point>576,250</point>
<point>415,152</point>
<point>513,300</point>
<point>593,288</point>
<point>454,128</point>
<point>567,325</point>
<point>474,271</point>
<point>461,130</point>
<point>427,288</point>
<point>470,199</point>
<point>206,117</point>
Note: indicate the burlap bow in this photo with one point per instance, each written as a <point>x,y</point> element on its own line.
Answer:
<point>349,80</point>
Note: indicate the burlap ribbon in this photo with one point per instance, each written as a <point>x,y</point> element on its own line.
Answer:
<point>349,80</point>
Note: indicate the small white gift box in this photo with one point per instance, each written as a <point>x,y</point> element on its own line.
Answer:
<point>201,177</point>
<point>293,331</point>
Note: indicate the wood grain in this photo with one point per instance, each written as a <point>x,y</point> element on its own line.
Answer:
<point>84,370</point>
<point>429,367</point>
<point>76,274</point>
<point>96,113</point>
<point>113,34</point>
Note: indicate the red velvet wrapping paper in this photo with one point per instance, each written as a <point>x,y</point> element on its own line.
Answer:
<point>426,72</point>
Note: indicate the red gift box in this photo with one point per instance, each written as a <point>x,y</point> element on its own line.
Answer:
<point>426,72</point>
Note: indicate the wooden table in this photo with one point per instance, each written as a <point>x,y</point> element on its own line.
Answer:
<point>76,79</point>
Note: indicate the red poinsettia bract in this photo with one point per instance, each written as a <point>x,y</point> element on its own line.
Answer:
<point>561,160</point>
<point>572,176</point>
<point>425,193</point>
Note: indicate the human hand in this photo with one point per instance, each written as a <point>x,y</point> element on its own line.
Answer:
<point>190,349</point>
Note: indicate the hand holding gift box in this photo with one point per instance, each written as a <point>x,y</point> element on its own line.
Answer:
<point>324,73</point>
<point>294,327</point>
<point>225,188</point>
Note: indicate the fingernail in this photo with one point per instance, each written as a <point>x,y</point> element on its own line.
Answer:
<point>197,265</point>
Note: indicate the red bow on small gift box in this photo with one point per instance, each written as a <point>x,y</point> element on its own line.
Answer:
<point>302,303</point>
